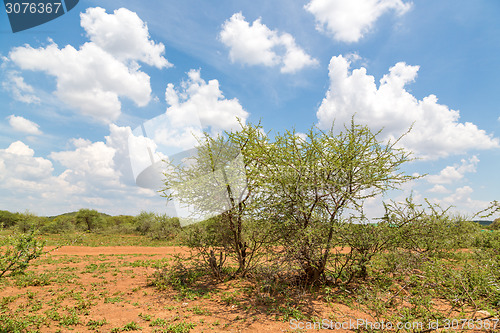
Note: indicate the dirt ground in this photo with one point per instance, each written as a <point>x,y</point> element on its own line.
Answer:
<point>105,289</point>
<point>110,285</point>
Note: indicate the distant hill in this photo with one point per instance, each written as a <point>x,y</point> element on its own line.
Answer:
<point>483,223</point>
<point>71,214</point>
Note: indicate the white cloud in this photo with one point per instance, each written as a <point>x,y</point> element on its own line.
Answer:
<point>94,77</point>
<point>19,163</point>
<point>124,35</point>
<point>92,163</point>
<point>349,20</point>
<point>21,124</point>
<point>439,189</point>
<point>88,79</point>
<point>256,44</point>
<point>198,102</point>
<point>20,90</point>
<point>451,174</point>
<point>96,175</point>
<point>436,131</point>
<point>462,201</point>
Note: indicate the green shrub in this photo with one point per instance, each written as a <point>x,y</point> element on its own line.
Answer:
<point>157,226</point>
<point>495,225</point>
<point>121,224</point>
<point>164,227</point>
<point>8,219</point>
<point>28,221</point>
<point>17,250</point>
<point>144,222</point>
<point>59,225</point>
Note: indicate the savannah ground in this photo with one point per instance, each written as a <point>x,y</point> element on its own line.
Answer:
<point>115,283</point>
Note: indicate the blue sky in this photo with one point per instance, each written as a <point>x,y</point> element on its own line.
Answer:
<point>75,91</point>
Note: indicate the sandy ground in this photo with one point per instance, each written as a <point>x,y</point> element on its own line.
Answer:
<point>110,284</point>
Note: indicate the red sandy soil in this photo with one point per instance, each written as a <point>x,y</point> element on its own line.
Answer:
<point>120,294</point>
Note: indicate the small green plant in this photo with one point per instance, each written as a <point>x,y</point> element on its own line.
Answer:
<point>32,279</point>
<point>145,317</point>
<point>181,327</point>
<point>94,324</point>
<point>132,326</point>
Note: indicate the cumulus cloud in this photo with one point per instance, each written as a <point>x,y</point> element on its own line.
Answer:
<point>256,44</point>
<point>24,125</point>
<point>349,20</point>
<point>19,89</point>
<point>96,174</point>
<point>20,166</point>
<point>439,189</point>
<point>99,164</point>
<point>198,102</point>
<point>451,174</point>
<point>95,76</point>
<point>436,130</point>
<point>92,163</point>
<point>463,202</point>
<point>124,35</point>
<point>195,106</point>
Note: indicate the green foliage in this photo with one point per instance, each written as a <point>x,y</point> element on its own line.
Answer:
<point>122,224</point>
<point>60,224</point>
<point>17,250</point>
<point>28,221</point>
<point>144,222</point>
<point>428,230</point>
<point>157,226</point>
<point>164,227</point>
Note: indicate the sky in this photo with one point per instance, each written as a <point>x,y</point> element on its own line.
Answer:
<point>90,100</point>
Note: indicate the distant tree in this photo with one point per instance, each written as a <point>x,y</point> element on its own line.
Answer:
<point>496,224</point>
<point>90,219</point>
<point>28,221</point>
<point>8,219</point>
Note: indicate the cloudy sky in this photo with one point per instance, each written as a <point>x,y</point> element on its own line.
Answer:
<point>92,98</point>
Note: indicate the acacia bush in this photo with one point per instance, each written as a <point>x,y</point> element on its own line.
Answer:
<point>220,180</point>
<point>17,250</point>
<point>315,185</point>
<point>58,225</point>
<point>121,224</point>
<point>157,226</point>
<point>298,192</point>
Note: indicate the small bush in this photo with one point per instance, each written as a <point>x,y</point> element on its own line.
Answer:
<point>16,251</point>
<point>122,224</point>
<point>59,225</point>
<point>144,222</point>
<point>164,227</point>
<point>28,221</point>
<point>157,226</point>
<point>495,225</point>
